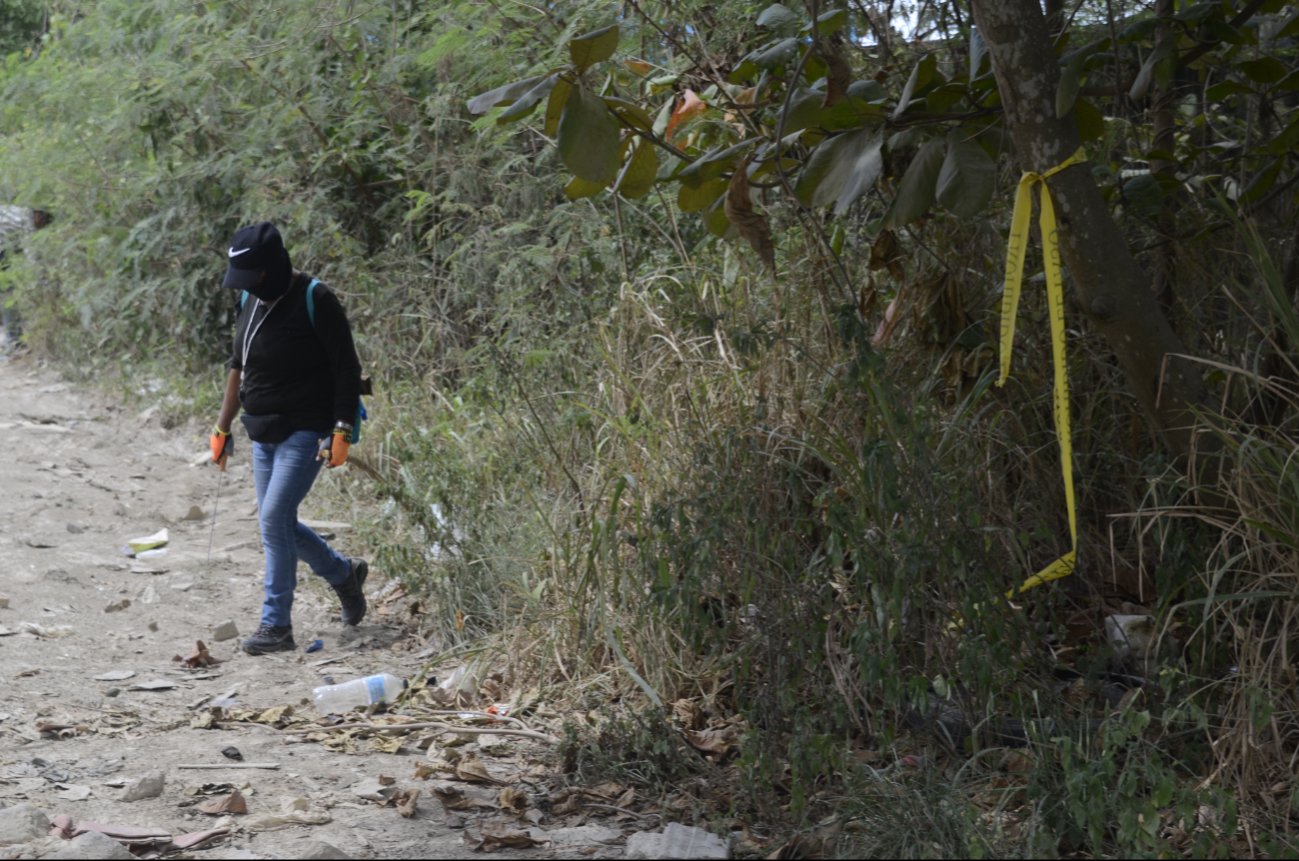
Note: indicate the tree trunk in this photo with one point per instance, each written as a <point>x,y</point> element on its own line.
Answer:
<point>1110,288</point>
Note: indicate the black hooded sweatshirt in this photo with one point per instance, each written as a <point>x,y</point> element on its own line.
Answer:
<point>296,376</point>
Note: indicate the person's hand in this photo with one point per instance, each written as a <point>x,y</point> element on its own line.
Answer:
<point>334,448</point>
<point>222,446</point>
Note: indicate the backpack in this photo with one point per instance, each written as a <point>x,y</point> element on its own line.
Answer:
<point>366,385</point>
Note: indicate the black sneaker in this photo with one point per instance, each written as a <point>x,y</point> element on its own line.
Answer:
<point>270,638</point>
<point>351,593</point>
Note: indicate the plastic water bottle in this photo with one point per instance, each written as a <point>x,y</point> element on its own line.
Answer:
<point>357,693</point>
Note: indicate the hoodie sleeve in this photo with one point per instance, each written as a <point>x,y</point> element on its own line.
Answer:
<point>336,336</point>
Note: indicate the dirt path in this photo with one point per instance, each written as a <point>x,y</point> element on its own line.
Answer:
<point>78,479</point>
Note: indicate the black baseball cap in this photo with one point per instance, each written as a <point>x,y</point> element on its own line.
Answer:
<point>253,250</point>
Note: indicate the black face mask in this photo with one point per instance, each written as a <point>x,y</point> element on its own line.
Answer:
<point>276,283</point>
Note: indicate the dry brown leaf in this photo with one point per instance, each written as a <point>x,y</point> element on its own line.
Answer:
<point>470,768</point>
<point>513,800</point>
<point>687,713</point>
<point>405,801</point>
<point>752,226</point>
<point>839,74</point>
<point>497,835</point>
<point>425,770</point>
<point>455,797</point>
<point>690,105</point>
<point>200,657</point>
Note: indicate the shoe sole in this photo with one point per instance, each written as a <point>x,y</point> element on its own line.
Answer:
<point>268,650</point>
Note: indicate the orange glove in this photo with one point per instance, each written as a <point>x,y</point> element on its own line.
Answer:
<point>222,446</point>
<point>334,448</point>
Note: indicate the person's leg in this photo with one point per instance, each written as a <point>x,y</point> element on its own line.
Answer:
<point>346,576</point>
<point>284,472</point>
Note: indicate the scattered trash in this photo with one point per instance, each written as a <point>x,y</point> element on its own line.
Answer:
<point>232,803</point>
<point>231,753</point>
<point>151,554</point>
<point>225,631</point>
<point>676,841</point>
<point>115,676</point>
<point>357,693</point>
<point>147,543</point>
<point>155,685</point>
<point>316,646</point>
<point>47,631</point>
<point>52,729</point>
<point>73,792</point>
<point>295,811</point>
<point>374,789</point>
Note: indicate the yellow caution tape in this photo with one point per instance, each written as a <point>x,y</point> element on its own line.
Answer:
<point>1015,249</point>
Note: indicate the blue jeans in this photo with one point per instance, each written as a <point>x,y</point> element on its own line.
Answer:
<point>284,472</point>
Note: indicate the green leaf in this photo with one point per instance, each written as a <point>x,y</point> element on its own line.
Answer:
<point>916,191</point>
<point>868,91</point>
<point>555,105</point>
<point>804,110</point>
<point>697,198</point>
<point>588,137</point>
<point>503,95</point>
<point>528,101</point>
<point>578,188</point>
<point>716,222</point>
<point>978,52</point>
<point>1264,70</point>
<point>829,23</point>
<point>921,75</point>
<point>967,178</point>
<point>850,113</point>
<point>1070,83</point>
<point>840,170</point>
<point>1089,120</point>
<point>1143,196</point>
<point>779,18</point>
<point>640,172</point>
<point>630,113</point>
<point>782,53</point>
<point>715,163</point>
<point>593,47</point>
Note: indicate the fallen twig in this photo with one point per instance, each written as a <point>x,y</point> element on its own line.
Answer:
<point>445,727</point>
<point>230,765</point>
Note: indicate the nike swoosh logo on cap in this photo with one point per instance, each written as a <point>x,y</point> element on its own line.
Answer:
<point>234,253</point>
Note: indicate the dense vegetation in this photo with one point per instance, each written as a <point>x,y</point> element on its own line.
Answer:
<point>684,323</point>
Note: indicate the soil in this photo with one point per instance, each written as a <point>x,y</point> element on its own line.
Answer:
<point>80,477</point>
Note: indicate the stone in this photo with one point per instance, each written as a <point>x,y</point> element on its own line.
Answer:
<point>149,786</point>
<point>320,849</point>
<point>225,631</point>
<point>22,823</point>
<point>91,845</point>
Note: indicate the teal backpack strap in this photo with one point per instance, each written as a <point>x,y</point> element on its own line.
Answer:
<point>311,301</point>
<point>243,297</point>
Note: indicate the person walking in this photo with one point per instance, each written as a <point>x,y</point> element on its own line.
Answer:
<point>16,222</point>
<point>295,374</point>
